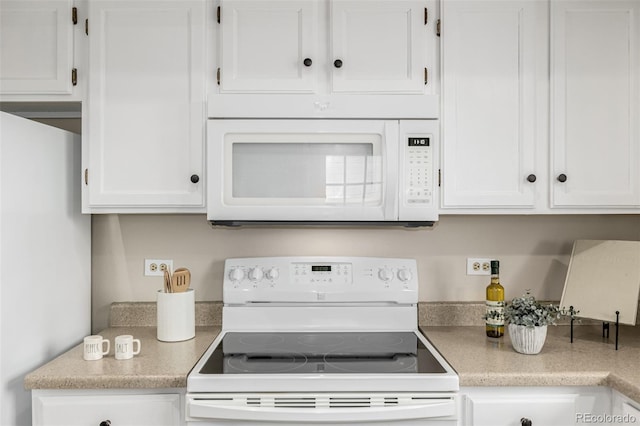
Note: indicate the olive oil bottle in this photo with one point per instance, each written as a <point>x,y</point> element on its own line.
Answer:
<point>495,303</point>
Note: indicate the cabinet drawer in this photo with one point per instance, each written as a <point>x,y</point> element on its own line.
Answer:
<point>64,410</point>
<point>505,410</point>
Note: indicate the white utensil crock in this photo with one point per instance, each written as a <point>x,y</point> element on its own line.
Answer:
<point>176,316</point>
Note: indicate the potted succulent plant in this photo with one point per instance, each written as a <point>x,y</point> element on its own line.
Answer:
<point>527,321</point>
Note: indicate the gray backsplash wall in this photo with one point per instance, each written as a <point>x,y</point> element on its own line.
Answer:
<point>534,252</point>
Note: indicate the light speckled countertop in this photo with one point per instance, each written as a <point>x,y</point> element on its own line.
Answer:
<point>589,361</point>
<point>159,365</point>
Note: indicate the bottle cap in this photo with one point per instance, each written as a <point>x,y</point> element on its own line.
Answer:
<point>495,267</point>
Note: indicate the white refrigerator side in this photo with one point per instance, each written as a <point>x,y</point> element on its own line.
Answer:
<point>45,255</point>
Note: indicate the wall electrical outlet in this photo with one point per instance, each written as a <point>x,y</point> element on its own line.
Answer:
<point>156,267</point>
<point>478,266</point>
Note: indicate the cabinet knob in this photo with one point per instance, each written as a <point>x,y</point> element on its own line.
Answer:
<point>307,62</point>
<point>337,63</point>
<point>562,177</point>
<point>195,178</point>
<point>531,178</point>
<point>525,422</point>
<point>105,423</point>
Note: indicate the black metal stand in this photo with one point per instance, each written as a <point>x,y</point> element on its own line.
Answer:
<point>605,326</point>
<point>571,313</point>
<point>617,327</point>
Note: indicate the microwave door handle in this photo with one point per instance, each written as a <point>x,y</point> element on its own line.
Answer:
<point>425,410</point>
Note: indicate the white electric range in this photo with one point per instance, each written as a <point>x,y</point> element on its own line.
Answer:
<point>321,340</point>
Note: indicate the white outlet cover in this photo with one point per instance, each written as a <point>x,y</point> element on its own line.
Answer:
<point>158,272</point>
<point>481,261</point>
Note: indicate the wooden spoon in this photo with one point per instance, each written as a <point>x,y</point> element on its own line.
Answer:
<point>181,280</point>
<point>167,281</point>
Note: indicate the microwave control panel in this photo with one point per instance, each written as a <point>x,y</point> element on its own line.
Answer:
<point>419,170</point>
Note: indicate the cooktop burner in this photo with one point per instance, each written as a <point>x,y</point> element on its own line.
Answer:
<point>321,352</point>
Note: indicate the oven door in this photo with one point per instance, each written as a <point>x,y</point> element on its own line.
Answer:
<point>327,408</point>
<point>302,170</point>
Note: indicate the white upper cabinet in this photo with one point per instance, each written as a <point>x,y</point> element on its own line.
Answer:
<point>325,58</point>
<point>37,47</point>
<point>595,103</point>
<point>380,46</point>
<point>494,69</point>
<point>144,141</point>
<point>269,46</point>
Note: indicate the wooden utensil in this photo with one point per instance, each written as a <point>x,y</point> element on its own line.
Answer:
<point>180,280</point>
<point>167,282</point>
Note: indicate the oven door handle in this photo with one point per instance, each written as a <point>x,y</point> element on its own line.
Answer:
<point>209,409</point>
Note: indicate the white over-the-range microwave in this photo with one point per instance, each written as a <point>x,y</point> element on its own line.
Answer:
<point>362,172</point>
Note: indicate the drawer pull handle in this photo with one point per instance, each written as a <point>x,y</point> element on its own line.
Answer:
<point>525,422</point>
<point>562,177</point>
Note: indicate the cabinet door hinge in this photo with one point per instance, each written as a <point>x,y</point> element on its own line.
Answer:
<point>218,14</point>
<point>86,26</point>
<point>439,178</point>
<point>74,76</point>
<point>218,76</point>
<point>74,15</point>
<point>438,28</point>
<point>86,176</point>
<point>426,76</point>
<point>426,16</point>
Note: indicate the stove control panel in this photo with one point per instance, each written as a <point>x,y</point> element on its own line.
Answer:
<point>320,279</point>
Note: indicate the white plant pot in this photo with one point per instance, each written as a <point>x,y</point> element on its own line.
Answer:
<point>527,340</point>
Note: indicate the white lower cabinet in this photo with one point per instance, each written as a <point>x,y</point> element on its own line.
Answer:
<point>107,407</point>
<point>541,406</point>
<point>624,411</point>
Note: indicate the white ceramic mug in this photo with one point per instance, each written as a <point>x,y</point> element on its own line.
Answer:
<point>94,347</point>
<point>124,346</point>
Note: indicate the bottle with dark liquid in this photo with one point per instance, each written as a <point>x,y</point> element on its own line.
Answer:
<point>495,303</point>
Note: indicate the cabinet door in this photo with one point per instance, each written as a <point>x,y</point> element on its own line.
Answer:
<point>493,65</point>
<point>146,104</point>
<point>36,47</point>
<point>269,46</point>
<point>133,410</point>
<point>382,46</point>
<point>595,103</point>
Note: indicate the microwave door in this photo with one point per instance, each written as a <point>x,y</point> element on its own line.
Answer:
<point>304,170</point>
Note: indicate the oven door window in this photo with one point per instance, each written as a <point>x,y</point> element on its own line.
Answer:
<point>305,169</point>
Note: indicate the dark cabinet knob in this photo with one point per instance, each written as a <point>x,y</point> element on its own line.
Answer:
<point>525,422</point>
<point>195,178</point>
<point>307,62</point>
<point>105,423</point>
<point>531,178</point>
<point>337,63</point>
<point>562,177</point>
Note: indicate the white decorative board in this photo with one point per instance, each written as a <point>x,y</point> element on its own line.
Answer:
<point>604,277</point>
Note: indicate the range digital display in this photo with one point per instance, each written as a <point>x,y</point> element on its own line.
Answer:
<point>320,268</point>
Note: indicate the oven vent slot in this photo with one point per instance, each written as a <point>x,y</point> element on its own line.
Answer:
<point>349,402</point>
<point>295,402</point>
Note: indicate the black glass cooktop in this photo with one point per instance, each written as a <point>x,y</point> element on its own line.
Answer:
<point>321,352</point>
